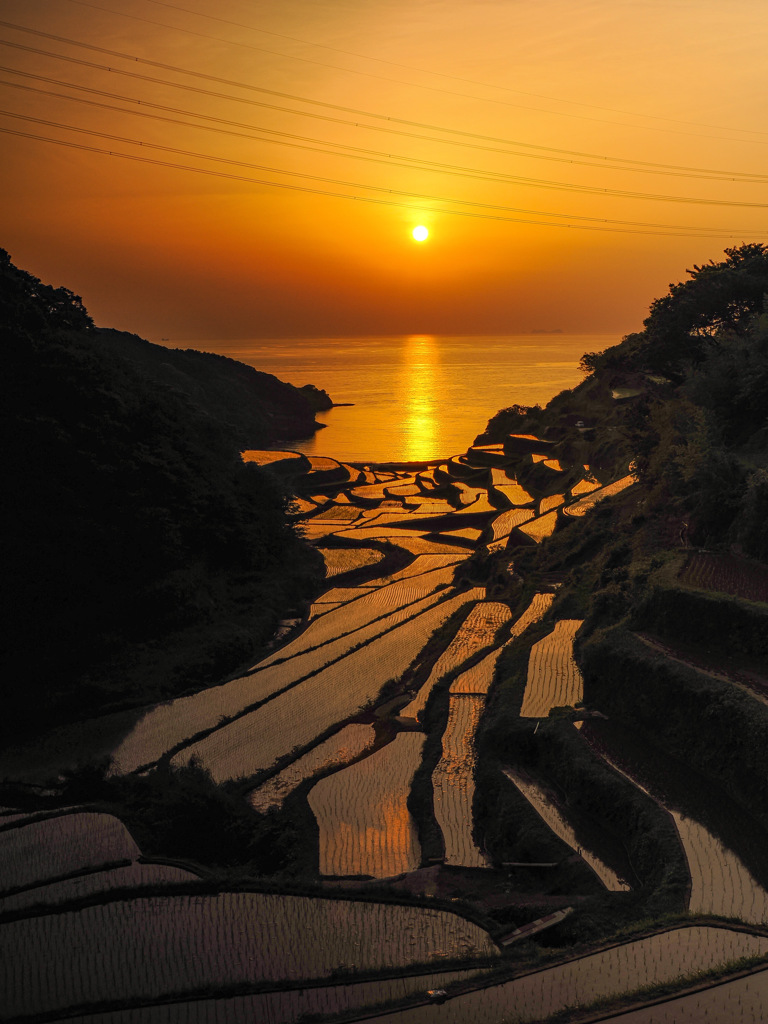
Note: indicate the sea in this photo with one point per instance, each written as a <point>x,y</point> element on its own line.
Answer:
<point>418,397</point>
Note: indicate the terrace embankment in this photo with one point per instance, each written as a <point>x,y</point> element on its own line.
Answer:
<point>714,727</point>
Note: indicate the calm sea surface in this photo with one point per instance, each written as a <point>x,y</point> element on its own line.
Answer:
<point>417,397</point>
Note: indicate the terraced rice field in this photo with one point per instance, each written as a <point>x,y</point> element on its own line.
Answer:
<point>477,631</point>
<point>328,637</point>
<point>336,513</point>
<point>453,782</point>
<point>130,877</point>
<point>339,749</point>
<point>422,546</point>
<point>584,486</point>
<point>43,850</point>
<point>586,504</point>
<point>554,679</point>
<point>147,947</point>
<point>296,717</point>
<point>553,501</point>
<point>720,882</point>
<point>339,560</point>
<point>540,527</point>
<point>742,1001</point>
<point>657,959</point>
<point>504,524</point>
<point>726,574</point>
<point>536,610</point>
<point>538,798</point>
<point>362,814</point>
<point>421,564</point>
<point>477,679</point>
<point>287,1007</point>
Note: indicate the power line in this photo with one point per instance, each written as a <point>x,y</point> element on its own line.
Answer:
<point>368,156</point>
<point>425,71</point>
<point>273,92</point>
<point>668,170</point>
<point>401,194</point>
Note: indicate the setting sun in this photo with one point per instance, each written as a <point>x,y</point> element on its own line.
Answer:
<point>420,233</point>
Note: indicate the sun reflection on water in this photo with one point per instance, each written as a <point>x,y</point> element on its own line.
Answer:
<point>419,371</point>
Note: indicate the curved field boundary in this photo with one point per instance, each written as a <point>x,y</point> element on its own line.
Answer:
<point>554,818</point>
<point>739,1000</point>
<point>504,524</point>
<point>41,850</point>
<point>586,504</point>
<point>167,725</point>
<point>540,527</point>
<point>284,1007</point>
<point>453,782</point>
<point>553,501</point>
<point>584,486</point>
<point>338,750</point>
<point>293,719</point>
<point>700,665</point>
<point>720,882</point>
<point>362,813</point>
<point>658,959</point>
<point>478,630</point>
<point>554,679</point>
<point>68,890</point>
<point>148,947</point>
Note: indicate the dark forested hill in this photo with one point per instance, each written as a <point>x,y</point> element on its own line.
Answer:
<point>685,400</point>
<point>141,556</point>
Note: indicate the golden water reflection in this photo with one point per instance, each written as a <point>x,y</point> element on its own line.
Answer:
<point>419,372</point>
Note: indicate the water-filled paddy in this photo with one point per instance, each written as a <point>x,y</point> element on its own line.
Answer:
<point>453,782</point>
<point>362,814</point>
<point>659,958</point>
<point>147,947</point>
<point>554,679</point>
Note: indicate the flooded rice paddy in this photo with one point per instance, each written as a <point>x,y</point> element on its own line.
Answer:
<point>396,544</point>
<point>533,997</point>
<point>453,782</point>
<point>724,851</point>
<point>554,679</point>
<point>554,817</point>
<point>149,947</point>
<point>362,813</point>
<point>335,752</point>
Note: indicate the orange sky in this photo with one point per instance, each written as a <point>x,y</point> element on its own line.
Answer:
<point>582,100</point>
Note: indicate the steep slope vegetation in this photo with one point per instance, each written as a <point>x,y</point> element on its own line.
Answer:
<point>143,555</point>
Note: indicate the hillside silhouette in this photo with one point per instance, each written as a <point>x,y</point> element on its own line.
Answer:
<point>143,556</point>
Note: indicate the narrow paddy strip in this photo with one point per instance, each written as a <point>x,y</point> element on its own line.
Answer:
<point>286,1007</point>
<point>658,959</point>
<point>43,850</point>
<point>148,947</point>
<point>339,749</point>
<point>477,631</point>
<point>742,1001</point>
<point>362,813</point>
<point>554,679</point>
<point>453,783</point>
<point>587,503</point>
<point>130,877</point>
<point>326,639</point>
<point>720,882</point>
<point>538,799</point>
<point>541,527</point>
<point>294,718</point>
<point>339,560</point>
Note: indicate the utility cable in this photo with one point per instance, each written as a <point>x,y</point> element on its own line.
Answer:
<point>703,174</point>
<point>595,223</point>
